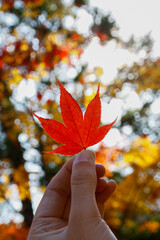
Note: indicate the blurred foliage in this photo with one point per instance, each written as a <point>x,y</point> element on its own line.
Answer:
<point>13,231</point>
<point>134,207</point>
<point>41,41</point>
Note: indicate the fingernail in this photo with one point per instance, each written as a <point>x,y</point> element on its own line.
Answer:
<point>85,156</point>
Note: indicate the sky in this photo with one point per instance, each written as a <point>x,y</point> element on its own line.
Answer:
<point>132,17</point>
<point>136,17</point>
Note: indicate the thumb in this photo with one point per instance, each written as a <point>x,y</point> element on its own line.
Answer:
<point>83,186</point>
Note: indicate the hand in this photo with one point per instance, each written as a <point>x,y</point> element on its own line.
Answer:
<point>73,203</point>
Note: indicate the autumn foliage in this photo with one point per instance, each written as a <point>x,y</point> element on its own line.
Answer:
<point>13,232</point>
<point>41,44</point>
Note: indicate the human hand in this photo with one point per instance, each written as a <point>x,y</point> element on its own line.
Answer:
<point>73,203</point>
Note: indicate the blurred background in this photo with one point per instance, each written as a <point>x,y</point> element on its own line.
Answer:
<point>81,43</point>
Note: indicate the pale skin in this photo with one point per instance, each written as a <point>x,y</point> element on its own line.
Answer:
<point>73,203</point>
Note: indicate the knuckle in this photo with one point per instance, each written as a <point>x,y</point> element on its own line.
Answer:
<point>85,165</point>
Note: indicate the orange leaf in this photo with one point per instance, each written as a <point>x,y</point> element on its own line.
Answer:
<point>77,133</point>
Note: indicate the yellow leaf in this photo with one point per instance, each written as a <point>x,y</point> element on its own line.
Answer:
<point>98,71</point>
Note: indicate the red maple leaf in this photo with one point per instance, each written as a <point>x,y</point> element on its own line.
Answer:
<point>77,132</point>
